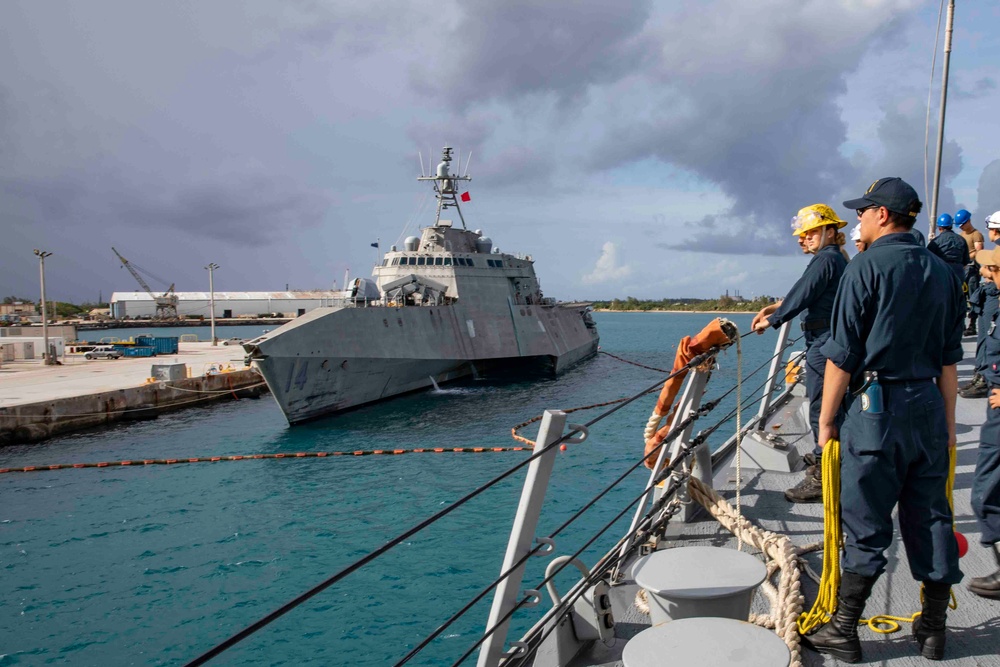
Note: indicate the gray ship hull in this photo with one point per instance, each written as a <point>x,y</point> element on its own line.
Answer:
<point>337,358</point>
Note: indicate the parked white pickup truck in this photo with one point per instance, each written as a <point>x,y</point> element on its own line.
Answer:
<point>103,352</point>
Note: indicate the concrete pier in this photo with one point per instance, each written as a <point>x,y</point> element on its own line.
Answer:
<point>38,402</point>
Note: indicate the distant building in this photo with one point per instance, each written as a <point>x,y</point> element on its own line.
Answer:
<point>134,305</point>
<point>18,308</point>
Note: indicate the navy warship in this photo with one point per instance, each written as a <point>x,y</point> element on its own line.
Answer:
<point>446,306</point>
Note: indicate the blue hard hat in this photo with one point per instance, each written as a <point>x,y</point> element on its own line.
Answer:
<point>944,220</point>
<point>962,217</point>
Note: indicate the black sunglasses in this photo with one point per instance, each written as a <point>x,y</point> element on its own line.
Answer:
<point>862,210</point>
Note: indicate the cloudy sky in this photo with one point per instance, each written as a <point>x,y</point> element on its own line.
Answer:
<point>634,148</point>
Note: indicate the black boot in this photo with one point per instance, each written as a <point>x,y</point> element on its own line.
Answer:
<point>988,586</point>
<point>975,379</point>
<point>928,629</point>
<point>976,389</point>
<point>971,329</point>
<point>839,637</point>
<point>810,489</point>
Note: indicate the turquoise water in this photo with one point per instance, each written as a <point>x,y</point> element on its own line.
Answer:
<point>155,565</point>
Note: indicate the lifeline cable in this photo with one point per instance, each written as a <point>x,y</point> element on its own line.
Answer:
<point>647,525</point>
<point>600,569</point>
<point>288,606</point>
<point>249,630</point>
<point>281,611</point>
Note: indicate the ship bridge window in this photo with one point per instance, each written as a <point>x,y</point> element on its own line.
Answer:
<point>471,263</point>
<point>447,261</point>
<point>411,261</point>
<point>420,261</point>
<point>385,262</point>
<point>438,261</point>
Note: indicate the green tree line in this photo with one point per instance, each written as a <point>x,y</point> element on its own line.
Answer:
<point>694,305</point>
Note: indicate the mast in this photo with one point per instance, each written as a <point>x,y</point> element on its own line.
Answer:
<point>444,186</point>
<point>949,25</point>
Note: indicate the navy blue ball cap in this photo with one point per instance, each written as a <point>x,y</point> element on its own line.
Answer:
<point>894,193</point>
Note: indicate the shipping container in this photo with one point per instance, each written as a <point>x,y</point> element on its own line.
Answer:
<point>139,351</point>
<point>162,344</point>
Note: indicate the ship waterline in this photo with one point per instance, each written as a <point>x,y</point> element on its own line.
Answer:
<point>321,370</point>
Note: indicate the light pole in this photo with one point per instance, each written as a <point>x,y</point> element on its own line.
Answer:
<point>41,254</point>
<point>211,299</point>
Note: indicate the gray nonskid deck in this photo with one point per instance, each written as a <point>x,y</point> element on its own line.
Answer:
<point>974,627</point>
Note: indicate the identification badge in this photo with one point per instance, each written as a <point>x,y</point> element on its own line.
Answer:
<point>871,397</point>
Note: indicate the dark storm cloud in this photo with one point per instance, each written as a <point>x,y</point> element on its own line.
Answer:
<point>506,50</point>
<point>724,91</point>
<point>244,210</point>
<point>749,103</point>
<point>900,134</point>
<point>989,193</point>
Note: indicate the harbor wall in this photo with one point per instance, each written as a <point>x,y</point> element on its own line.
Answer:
<point>34,422</point>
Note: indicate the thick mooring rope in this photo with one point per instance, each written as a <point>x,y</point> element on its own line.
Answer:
<point>786,599</point>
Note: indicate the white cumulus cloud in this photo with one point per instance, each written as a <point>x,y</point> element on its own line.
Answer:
<point>607,268</point>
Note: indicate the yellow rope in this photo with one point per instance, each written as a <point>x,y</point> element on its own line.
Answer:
<point>826,599</point>
<point>950,486</point>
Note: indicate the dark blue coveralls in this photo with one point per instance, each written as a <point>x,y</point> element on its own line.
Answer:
<point>899,312</point>
<point>953,249</point>
<point>986,481</point>
<point>811,297</point>
<point>984,303</point>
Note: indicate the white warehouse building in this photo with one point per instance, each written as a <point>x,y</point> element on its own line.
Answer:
<point>227,304</point>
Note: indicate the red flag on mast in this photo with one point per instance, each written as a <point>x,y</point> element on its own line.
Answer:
<point>466,197</point>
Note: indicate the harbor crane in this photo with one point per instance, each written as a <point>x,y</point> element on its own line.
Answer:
<point>166,303</point>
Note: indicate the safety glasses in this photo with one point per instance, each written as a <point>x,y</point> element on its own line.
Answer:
<point>801,220</point>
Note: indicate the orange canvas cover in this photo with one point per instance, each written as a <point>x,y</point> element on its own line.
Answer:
<point>690,347</point>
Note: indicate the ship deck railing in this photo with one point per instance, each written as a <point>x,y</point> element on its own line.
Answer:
<point>974,625</point>
<point>659,514</point>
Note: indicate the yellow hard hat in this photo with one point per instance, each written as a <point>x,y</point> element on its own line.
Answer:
<point>811,217</point>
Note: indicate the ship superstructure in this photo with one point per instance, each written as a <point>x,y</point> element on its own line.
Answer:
<point>444,306</point>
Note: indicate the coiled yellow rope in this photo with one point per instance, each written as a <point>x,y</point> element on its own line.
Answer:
<point>833,539</point>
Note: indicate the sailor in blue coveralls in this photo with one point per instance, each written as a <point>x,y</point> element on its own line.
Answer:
<point>986,481</point>
<point>983,303</point>
<point>950,247</point>
<point>895,340</point>
<point>811,298</point>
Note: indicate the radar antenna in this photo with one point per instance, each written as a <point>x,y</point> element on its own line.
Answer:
<point>444,186</point>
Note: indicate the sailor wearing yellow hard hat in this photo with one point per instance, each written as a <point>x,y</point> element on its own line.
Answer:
<point>811,298</point>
